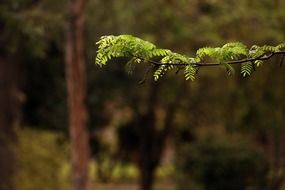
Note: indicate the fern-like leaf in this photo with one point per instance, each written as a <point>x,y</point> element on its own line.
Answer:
<point>280,47</point>
<point>190,72</point>
<point>246,69</point>
<point>258,63</point>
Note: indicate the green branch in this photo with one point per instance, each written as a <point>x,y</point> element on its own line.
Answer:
<point>262,58</point>
<point>138,51</point>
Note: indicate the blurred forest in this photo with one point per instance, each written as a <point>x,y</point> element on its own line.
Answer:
<point>217,133</point>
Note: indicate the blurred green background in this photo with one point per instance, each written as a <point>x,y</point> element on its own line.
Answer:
<point>226,132</point>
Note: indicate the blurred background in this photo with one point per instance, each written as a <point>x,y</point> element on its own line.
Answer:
<point>219,132</point>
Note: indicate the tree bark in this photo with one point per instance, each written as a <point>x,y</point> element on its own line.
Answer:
<point>152,140</point>
<point>76,95</point>
<point>147,162</point>
<point>10,101</point>
<point>147,177</point>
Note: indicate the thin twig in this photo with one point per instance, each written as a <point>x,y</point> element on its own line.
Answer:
<point>266,57</point>
<point>179,69</point>
<point>145,75</point>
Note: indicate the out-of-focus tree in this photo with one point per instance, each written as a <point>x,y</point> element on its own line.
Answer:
<point>23,35</point>
<point>76,94</point>
<point>10,100</point>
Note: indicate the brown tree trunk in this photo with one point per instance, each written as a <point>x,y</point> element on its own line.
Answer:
<point>152,141</point>
<point>147,162</point>
<point>10,101</point>
<point>147,177</point>
<point>76,93</point>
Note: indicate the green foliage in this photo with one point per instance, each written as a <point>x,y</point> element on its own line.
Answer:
<point>217,164</point>
<point>280,47</point>
<point>247,68</point>
<point>28,26</point>
<point>190,72</point>
<point>159,72</point>
<point>42,160</point>
<point>126,46</point>
<point>229,52</point>
<point>138,50</point>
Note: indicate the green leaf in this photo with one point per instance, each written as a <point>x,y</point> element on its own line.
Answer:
<point>159,72</point>
<point>190,72</point>
<point>246,69</point>
<point>258,63</point>
<point>230,70</point>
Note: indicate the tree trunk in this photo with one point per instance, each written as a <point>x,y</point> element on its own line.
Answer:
<point>147,163</point>
<point>152,141</point>
<point>10,101</point>
<point>76,93</point>
<point>147,178</point>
